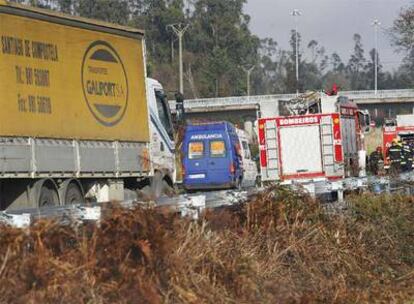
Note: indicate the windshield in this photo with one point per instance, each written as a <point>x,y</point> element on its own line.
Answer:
<point>164,113</point>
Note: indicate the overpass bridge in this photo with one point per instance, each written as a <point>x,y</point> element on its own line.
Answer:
<point>383,103</point>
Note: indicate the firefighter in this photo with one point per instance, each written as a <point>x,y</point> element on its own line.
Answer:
<point>411,145</point>
<point>403,164</point>
<point>394,155</point>
<point>408,157</point>
<point>333,91</point>
<point>376,161</point>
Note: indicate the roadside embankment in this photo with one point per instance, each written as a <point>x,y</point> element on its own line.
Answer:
<point>280,248</point>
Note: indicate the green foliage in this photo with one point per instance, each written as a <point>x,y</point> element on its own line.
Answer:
<point>356,64</point>
<point>219,33</point>
<point>402,34</point>
<point>115,11</point>
<point>403,30</point>
<point>219,48</point>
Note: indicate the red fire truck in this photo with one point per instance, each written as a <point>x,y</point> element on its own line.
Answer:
<point>402,127</point>
<point>327,141</point>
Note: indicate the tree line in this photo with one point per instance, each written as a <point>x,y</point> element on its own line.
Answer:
<point>219,49</point>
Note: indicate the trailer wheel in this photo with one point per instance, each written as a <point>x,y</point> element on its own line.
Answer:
<point>160,186</point>
<point>73,194</point>
<point>46,193</point>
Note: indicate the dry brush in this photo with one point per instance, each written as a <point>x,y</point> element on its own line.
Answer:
<point>279,248</point>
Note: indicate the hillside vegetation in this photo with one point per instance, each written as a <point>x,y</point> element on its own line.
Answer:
<point>219,48</point>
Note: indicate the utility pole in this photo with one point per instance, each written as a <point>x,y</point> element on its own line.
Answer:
<point>376,24</point>
<point>248,72</point>
<point>172,49</point>
<point>179,29</point>
<point>296,13</point>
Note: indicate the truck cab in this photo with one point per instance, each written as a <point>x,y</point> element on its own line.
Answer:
<point>162,146</point>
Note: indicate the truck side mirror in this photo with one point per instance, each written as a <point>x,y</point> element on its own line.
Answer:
<point>364,121</point>
<point>367,119</point>
<point>179,107</point>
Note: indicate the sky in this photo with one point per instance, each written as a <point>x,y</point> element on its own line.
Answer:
<point>330,22</point>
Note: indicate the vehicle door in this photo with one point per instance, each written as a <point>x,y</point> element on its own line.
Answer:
<point>195,163</point>
<point>220,165</point>
<point>162,132</point>
<point>301,151</point>
<point>250,168</point>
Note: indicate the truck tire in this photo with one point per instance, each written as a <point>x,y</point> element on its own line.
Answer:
<point>73,194</point>
<point>48,196</point>
<point>160,186</point>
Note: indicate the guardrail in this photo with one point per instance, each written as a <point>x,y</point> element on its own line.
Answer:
<point>252,100</point>
<point>188,205</point>
<point>192,205</point>
<point>369,94</point>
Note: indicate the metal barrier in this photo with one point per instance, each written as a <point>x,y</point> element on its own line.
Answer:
<point>223,102</point>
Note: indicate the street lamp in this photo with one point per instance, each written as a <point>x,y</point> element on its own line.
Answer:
<point>248,72</point>
<point>376,24</point>
<point>296,13</point>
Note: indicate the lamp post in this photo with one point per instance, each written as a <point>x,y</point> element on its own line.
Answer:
<point>248,72</point>
<point>376,24</point>
<point>296,13</point>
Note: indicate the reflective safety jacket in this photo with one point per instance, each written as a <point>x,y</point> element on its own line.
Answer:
<point>407,153</point>
<point>395,153</point>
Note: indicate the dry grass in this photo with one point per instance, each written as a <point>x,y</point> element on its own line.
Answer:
<point>281,248</point>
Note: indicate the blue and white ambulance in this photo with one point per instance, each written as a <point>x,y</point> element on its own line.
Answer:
<point>214,157</point>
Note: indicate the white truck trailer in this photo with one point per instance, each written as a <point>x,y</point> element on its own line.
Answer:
<point>79,117</point>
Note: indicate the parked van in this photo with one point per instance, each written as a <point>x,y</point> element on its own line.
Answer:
<point>214,158</point>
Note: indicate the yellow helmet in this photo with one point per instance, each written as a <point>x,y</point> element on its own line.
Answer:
<point>395,141</point>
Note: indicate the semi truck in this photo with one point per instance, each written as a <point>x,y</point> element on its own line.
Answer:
<point>79,118</point>
<point>322,139</point>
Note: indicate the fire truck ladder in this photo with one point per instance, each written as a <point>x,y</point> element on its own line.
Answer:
<point>327,145</point>
<point>272,150</point>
